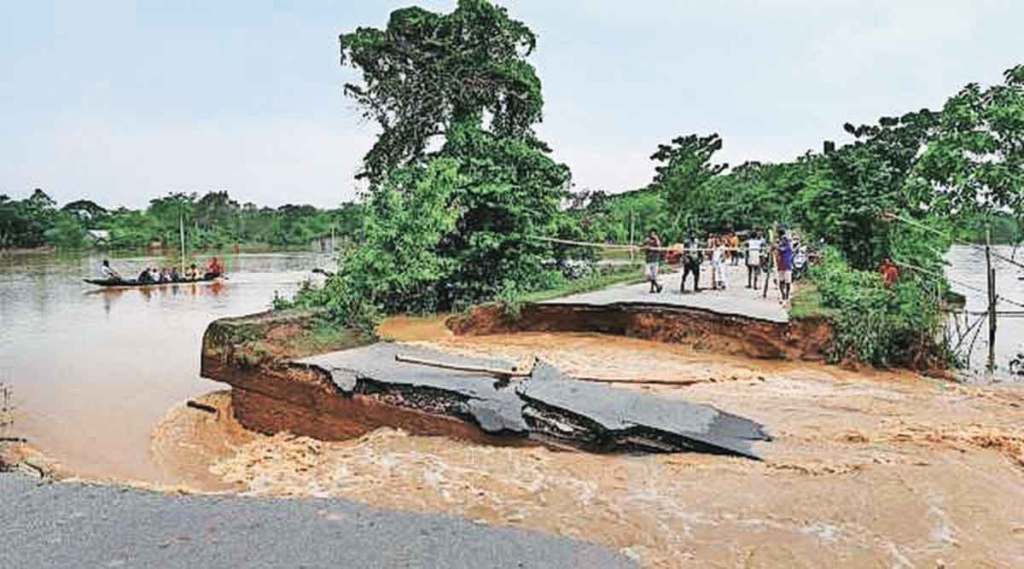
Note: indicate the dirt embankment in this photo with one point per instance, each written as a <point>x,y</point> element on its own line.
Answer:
<point>271,394</point>
<point>701,329</point>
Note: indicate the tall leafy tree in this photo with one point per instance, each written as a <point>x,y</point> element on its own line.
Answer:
<point>975,163</point>
<point>457,89</point>
<point>426,72</point>
<point>684,168</point>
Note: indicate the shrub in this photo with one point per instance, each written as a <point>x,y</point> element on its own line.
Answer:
<point>876,324</point>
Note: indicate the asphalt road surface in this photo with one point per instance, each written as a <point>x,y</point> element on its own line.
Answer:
<point>78,525</point>
<point>737,299</point>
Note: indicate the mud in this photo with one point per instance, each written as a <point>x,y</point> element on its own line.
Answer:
<point>701,329</point>
<point>867,468</point>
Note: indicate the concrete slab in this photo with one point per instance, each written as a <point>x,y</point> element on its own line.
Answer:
<point>548,406</point>
<point>736,300</point>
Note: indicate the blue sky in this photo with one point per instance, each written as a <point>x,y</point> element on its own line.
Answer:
<point>120,101</point>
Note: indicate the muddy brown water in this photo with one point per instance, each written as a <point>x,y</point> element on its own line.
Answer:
<point>94,370</point>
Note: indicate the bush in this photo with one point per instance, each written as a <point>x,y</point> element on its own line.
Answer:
<point>875,324</point>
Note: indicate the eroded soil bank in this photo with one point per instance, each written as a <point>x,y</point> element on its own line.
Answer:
<point>695,327</point>
<point>866,469</point>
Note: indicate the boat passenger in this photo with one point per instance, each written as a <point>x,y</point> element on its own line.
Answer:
<point>175,275</point>
<point>191,273</point>
<point>108,273</point>
<point>165,275</point>
<point>145,276</point>
<point>214,269</point>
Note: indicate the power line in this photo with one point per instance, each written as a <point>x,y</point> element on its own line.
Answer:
<point>961,283</point>
<point>915,223</point>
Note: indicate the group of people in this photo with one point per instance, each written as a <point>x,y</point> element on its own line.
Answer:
<point>722,250</point>
<point>154,275</point>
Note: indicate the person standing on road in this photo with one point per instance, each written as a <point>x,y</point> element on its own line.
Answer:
<point>734,248</point>
<point>652,256</point>
<point>718,254</point>
<point>754,246</point>
<point>785,263</point>
<point>693,256</point>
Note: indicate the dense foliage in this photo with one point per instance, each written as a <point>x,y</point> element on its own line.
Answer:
<point>213,220</point>
<point>877,324</point>
<point>427,72</point>
<point>460,186</point>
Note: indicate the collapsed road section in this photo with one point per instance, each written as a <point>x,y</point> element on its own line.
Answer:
<point>349,392</point>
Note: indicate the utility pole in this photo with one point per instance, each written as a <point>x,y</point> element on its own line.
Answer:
<point>992,299</point>
<point>181,232</point>
<point>631,220</point>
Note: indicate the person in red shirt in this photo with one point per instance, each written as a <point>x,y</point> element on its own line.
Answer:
<point>890,272</point>
<point>214,269</point>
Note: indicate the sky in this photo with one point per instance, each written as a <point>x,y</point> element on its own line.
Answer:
<point>121,101</point>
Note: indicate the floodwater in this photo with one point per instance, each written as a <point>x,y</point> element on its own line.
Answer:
<point>94,370</point>
<point>868,468</point>
<point>966,272</point>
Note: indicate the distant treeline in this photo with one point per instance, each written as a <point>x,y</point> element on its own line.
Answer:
<point>754,196</point>
<point>213,220</point>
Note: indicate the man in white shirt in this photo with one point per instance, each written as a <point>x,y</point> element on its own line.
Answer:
<point>754,246</point>
<point>106,272</point>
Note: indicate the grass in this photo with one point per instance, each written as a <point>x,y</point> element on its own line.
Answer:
<point>618,275</point>
<point>807,303</point>
<point>322,338</point>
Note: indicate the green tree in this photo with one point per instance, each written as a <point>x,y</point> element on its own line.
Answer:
<point>975,163</point>
<point>426,72</point>
<point>683,171</point>
<point>453,92</point>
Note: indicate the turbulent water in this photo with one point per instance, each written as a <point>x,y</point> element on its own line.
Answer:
<point>93,370</point>
<point>868,468</point>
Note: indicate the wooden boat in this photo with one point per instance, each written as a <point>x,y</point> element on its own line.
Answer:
<point>129,283</point>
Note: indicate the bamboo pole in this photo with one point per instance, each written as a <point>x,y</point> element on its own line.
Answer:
<point>991,274</point>
<point>500,373</point>
<point>515,373</point>
<point>181,232</point>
